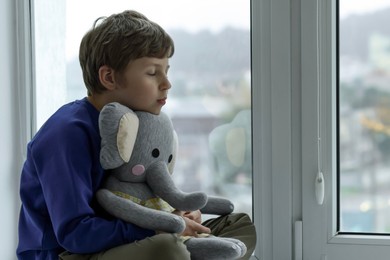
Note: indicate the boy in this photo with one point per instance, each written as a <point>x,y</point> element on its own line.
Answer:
<point>124,58</point>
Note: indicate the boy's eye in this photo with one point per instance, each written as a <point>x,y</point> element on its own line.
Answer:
<point>152,73</point>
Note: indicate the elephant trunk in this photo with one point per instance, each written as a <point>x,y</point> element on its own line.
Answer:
<point>160,181</point>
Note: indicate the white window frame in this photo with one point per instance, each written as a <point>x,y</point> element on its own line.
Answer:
<point>276,169</point>
<point>26,72</point>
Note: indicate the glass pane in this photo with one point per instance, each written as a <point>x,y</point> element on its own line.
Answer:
<point>210,99</point>
<point>364,116</point>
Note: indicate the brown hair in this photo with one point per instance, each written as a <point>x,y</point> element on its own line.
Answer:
<point>117,40</point>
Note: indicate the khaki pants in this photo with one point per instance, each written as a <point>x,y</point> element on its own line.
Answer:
<point>170,247</point>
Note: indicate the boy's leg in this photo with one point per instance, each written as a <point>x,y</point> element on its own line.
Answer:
<point>163,246</point>
<point>236,225</point>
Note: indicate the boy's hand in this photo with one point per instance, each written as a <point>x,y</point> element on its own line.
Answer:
<point>193,221</point>
<point>194,215</point>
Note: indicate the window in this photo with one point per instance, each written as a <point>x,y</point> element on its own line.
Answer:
<point>210,101</point>
<point>341,97</point>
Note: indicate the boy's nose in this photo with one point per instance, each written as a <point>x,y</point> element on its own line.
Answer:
<point>166,84</point>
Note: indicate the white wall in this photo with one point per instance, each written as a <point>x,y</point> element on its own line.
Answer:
<point>10,148</point>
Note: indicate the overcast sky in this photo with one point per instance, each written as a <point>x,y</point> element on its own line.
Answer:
<point>348,7</point>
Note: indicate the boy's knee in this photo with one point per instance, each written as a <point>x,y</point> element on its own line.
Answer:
<point>241,217</point>
<point>239,220</point>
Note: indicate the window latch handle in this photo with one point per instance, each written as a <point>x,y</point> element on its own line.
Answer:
<point>320,188</point>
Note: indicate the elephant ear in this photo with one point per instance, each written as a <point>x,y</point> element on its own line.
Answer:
<point>175,144</point>
<point>118,127</point>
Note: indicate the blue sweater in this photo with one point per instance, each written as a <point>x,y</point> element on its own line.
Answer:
<point>59,179</point>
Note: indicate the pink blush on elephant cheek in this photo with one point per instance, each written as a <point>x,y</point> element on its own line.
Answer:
<point>139,169</point>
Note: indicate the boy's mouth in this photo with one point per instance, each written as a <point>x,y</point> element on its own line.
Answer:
<point>162,101</point>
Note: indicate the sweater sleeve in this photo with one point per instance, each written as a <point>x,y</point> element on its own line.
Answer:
<point>69,175</point>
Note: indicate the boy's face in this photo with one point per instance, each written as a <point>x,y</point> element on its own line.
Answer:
<point>144,85</point>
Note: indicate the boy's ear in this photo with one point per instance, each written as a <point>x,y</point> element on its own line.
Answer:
<point>107,77</point>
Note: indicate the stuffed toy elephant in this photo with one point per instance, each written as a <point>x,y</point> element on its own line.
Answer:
<point>138,152</point>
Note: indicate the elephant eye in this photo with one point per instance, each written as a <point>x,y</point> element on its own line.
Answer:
<point>170,158</point>
<point>155,153</point>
